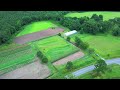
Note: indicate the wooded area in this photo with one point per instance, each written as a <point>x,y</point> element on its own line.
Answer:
<point>12,22</point>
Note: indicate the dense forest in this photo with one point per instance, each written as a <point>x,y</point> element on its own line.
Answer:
<point>12,21</point>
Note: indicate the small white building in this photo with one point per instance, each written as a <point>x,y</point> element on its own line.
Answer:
<point>70,33</point>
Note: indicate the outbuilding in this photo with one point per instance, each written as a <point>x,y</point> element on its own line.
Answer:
<point>70,33</point>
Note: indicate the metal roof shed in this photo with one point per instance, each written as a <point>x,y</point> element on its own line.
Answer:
<point>70,33</point>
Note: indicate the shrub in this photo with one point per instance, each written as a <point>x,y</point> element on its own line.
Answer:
<point>84,45</point>
<point>69,65</point>
<point>91,50</point>
<point>42,57</point>
<point>77,41</point>
<point>68,39</point>
<point>59,34</point>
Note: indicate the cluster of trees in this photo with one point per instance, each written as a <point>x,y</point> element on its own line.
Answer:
<point>68,39</point>
<point>81,44</point>
<point>100,68</point>
<point>69,65</point>
<point>42,57</point>
<point>93,25</point>
<point>116,27</point>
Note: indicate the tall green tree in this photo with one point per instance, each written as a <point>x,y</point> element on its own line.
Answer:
<point>84,45</point>
<point>77,41</point>
<point>95,17</point>
<point>100,66</point>
<point>69,65</point>
<point>68,39</point>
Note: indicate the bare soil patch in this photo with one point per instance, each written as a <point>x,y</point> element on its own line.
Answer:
<point>69,58</point>
<point>38,35</point>
<point>34,70</point>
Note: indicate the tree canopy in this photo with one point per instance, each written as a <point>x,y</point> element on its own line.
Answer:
<point>11,22</point>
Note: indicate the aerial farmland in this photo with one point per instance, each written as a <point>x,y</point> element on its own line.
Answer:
<point>59,45</point>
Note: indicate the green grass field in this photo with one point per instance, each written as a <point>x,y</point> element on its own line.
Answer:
<point>107,15</point>
<point>12,58</point>
<point>55,47</point>
<point>36,26</point>
<point>115,73</point>
<point>103,44</point>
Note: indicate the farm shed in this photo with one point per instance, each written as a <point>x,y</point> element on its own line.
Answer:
<point>70,33</point>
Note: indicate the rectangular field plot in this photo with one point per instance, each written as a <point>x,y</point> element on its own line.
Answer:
<point>55,48</point>
<point>12,58</point>
<point>36,26</point>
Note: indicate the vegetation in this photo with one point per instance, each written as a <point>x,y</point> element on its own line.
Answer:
<point>14,20</point>
<point>93,24</point>
<point>55,47</point>
<point>98,32</point>
<point>116,32</point>
<point>42,57</point>
<point>106,15</point>
<point>68,39</point>
<point>91,51</point>
<point>14,57</point>
<point>77,64</point>
<point>77,41</point>
<point>100,67</point>
<point>112,73</point>
<point>36,26</point>
<point>84,45</point>
<point>81,44</point>
<point>106,45</point>
<point>69,65</point>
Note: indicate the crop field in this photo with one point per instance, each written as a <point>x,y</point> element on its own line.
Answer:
<point>36,26</point>
<point>103,44</point>
<point>12,58</point>
<point>106,15</point>
<point>55,47</point>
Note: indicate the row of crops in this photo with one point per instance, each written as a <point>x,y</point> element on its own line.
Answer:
<point>11,59</point>
<point>55,48</point>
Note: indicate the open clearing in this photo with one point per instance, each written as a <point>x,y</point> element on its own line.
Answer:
<point>55,47</point>
<point>69,58</point>
<point>106,15</point>
<point>35,70</point>
<point>103,44</point>
<point>36,26</point>
<point>37,35</point>
<point>14,57</point>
